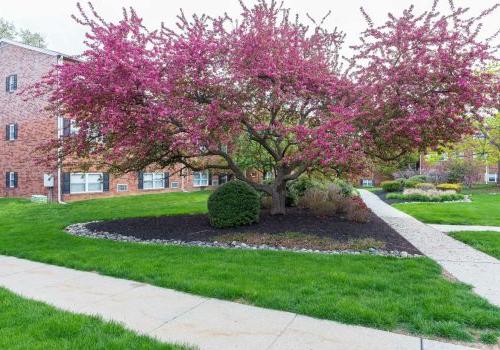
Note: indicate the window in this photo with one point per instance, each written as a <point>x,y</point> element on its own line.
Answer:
<point>11,83</point>
<point>86,182</point>
<point>11,179</point>
<point>11,132</point>
<point>367,183</point>
<point>122,188</point>
<point>174,184</point>
<point>200,178</point>
<point>491,177</point>
<point>153,181</point>
<point>222,179</point>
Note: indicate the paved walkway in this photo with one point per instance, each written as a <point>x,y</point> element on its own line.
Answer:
<point>460,260</point>
<point>187,319</point>
<point>455,228</point>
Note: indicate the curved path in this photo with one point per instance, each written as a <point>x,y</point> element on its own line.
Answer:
<point>463,262</point>
<point>207,323</point>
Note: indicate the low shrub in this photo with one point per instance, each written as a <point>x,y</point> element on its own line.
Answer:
<point>416,195</point>
<point>392,186</point>
<point>345,187</point>
<point>297,188</point>
<point>425,186</point>
<point>356,210</point>
<point>410,183</point>
<point>419,178</point>
<point>235,203</point>
<point>332,201</point>
<point>445,187</point>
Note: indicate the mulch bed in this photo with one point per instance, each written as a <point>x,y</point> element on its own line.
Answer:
<point>197,228</point>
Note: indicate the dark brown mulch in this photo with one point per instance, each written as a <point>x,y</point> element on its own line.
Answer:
<point>197,228</point>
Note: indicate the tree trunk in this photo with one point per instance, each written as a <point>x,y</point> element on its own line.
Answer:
<point>278,199</point>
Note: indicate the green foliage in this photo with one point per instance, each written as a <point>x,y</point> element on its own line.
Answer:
<point>392,186</point>
<point>346,188</point>
<point>9,31</point>
<point>28,324</point>
<point>445,187</point>
<point>481,211</point>
<point>485,241</point>
<point>333,287</point>
<point>417,197</point>
<point>419,178</point>
<point>235,203</point>
<point>410,183</point>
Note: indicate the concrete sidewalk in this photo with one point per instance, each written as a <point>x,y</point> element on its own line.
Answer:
<point>456,228</point>
<point>462,261</point>
<point>177,317</point>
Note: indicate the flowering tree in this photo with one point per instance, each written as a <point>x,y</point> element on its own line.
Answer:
<point>266,87</point>
<point>420,80</point>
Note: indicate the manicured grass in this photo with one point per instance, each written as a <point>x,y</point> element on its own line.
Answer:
<point>382,292</point>
<point>486,241</point>
<point>27,324</point>
<point>483,210</point>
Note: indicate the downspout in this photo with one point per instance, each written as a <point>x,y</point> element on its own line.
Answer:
<point>59,149</point>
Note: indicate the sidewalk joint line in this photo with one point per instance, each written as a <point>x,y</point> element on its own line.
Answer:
<point>282,332</point>
<point>179,315</point>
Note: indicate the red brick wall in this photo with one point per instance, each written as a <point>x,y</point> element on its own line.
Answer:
<point>35,125</point>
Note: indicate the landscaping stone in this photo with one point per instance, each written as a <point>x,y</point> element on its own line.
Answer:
<point>82,230</point>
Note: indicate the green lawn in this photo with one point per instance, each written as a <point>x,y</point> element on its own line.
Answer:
<point>408,295</point>
<point>483,210</point>
<point>487,241</point>
<point>27,324</point>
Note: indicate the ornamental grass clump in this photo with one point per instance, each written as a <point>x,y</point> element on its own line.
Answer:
<point>234,204</point>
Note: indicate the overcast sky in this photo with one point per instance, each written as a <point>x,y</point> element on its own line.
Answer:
<point>52,17</point>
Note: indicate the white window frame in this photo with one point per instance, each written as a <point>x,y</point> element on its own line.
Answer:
<point>174,184</point>
<point>86,182</point>
<point>155,178</point>
<point>367,182</point>
<point>202,180</point>
<point>123,185</point>
<point>12,132</point>
<point>12,179</point>
<point>11,83</point>
<point>487,178</point>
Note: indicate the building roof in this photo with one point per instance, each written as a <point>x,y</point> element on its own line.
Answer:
<point>34,48</point>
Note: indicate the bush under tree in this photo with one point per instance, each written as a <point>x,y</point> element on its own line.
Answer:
<point>235,203</point>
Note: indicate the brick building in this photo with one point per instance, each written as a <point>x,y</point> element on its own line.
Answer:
<point>28,125</point>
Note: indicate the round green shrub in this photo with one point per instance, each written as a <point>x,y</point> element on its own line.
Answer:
<point>235,203</point>
<point>410,183</point>
<point>418,178</point>
<point>392,186</point>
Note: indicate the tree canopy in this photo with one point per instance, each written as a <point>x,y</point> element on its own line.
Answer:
<point>9,31</point>
<point>270,88</point>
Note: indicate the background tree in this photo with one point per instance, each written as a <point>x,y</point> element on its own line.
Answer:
<point>420,79</point>
<point>214,91</point>
<point>9,31</point>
